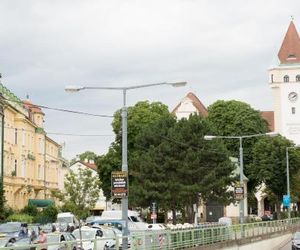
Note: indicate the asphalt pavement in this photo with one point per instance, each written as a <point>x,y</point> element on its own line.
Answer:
<point>288,246</point>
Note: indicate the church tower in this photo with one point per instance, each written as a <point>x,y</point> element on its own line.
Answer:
<point>284,79</point>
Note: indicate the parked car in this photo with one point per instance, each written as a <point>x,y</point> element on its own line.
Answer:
<point>16,242</point>
<point>64,240</point>
<point>266,217</point>
<point>93,238</point>
<point>296,241</point>
<point>11,228</point>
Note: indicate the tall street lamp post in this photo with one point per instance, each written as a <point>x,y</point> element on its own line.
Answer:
<point>240,138</point>
<point>125,231</point>
<point>288,177</point>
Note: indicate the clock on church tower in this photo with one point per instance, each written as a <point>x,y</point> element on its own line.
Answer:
<point>284,79</point>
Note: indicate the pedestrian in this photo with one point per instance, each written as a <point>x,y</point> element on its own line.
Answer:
<point>42,240</point>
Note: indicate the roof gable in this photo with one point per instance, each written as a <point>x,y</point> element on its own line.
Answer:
<point>195,102</point>
<point>290,48</point>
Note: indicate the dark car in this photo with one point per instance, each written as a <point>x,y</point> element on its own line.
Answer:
<point>296,241</point>
<point>266,218</point>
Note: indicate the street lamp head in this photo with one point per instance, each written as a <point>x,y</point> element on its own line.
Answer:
<point>272,134</point>
<point>73,88</point>
<point>209,137</point>
<point>178,84</point>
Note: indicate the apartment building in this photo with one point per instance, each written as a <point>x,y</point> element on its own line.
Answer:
<point>32,162</point>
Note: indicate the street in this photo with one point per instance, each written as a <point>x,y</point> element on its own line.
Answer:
<point>288,246</point>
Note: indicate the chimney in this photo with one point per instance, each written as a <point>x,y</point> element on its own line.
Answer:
<point>91,161</point>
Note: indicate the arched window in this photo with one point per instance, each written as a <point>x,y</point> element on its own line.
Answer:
<point>286,78</point>
<point>297,78</point>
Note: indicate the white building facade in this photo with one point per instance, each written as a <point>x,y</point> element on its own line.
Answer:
<point>284,79</point>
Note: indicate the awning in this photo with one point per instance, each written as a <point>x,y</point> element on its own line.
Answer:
<point>40,202</point>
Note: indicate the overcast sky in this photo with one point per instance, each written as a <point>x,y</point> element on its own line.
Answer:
<point>223,49</point>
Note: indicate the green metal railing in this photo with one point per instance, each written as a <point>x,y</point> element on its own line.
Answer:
<point>191,237</point>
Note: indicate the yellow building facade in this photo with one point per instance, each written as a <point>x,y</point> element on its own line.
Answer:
<point>32,162</point>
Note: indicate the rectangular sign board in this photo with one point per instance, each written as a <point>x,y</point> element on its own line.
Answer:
<point>119,184</point>
<point>286,200</point>
<point>239,192</point>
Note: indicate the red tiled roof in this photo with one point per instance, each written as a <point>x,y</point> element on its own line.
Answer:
<point>89,165</point>
<point>197,104</point>
<point>269,117</point>
<point>290,48</point>
<point>32,108</point>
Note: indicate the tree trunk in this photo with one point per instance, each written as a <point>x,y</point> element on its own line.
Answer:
<point>174,216</point>
<point>278,205</point>
<point>189,214</point>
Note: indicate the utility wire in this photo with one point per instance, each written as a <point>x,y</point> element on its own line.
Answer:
<point>58,133</point>
<point>58,109</point>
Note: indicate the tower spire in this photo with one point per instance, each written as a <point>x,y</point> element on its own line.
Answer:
<point>290,48</point>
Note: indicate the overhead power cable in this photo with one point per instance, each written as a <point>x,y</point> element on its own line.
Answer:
<point>59,109</point>
<point>59,133</point>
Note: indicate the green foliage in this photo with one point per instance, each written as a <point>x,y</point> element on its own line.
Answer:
<point>174,156</point>
<point>20,217</point>
<point>235,118</point>
<point>140,116</point>
<point>269,164</point>
<point>82,191</point>
<point>89,155</point>
<point>47,215</point>
<point>30,210</point>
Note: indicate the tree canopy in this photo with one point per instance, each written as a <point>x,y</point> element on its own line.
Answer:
<point>270,163</point>
<point>81,193</point>
<point>235,118</point>
<point>140,116</point>
<point>175,165</point>
<point>89,155</point>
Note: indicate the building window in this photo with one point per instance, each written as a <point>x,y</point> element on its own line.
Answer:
<point>293,110</point>
<point>286,78</point>
<point>297,78</point>
<point>16,136</point>
<point>23,138</point>
<point>23,168</point>
<point>16,167</point>
<point>272,80</point>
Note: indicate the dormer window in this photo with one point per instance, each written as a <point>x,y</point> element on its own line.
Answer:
<point>297,78</point>
<point>291,57</point>
<point>286,78</point>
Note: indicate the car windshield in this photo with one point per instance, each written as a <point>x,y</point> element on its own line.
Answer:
<point>85,234</point>
<point>53,238</point>
<point>297,236</point>
<point>3,241</point>
<point>10,227</point>
<point>108,233</point>
<point>65,220</point>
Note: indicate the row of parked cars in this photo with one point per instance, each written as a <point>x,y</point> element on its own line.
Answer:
<point>86,238</point>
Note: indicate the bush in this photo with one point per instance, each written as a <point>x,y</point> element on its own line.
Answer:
<point>48,215</point>
<point>30,210</point>
<point>20,218</point>
<point>6,213</point>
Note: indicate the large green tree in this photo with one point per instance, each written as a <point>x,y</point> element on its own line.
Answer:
<point>81,193</point>
<point>140,116</point>
<point>87,155</point>
<point>235,118</point>
<point>175,165</point>
<point>269,165</point>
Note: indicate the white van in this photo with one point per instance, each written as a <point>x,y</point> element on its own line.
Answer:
<point>67,219</point>
<point>135,222</point>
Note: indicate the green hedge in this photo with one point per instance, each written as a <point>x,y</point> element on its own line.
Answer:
<point>20,217</point>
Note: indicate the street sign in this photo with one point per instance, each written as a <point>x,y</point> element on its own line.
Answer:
<point>239,192</point>
<point>286,200</point>
<point>119,184</point>
<point>153,216</point>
